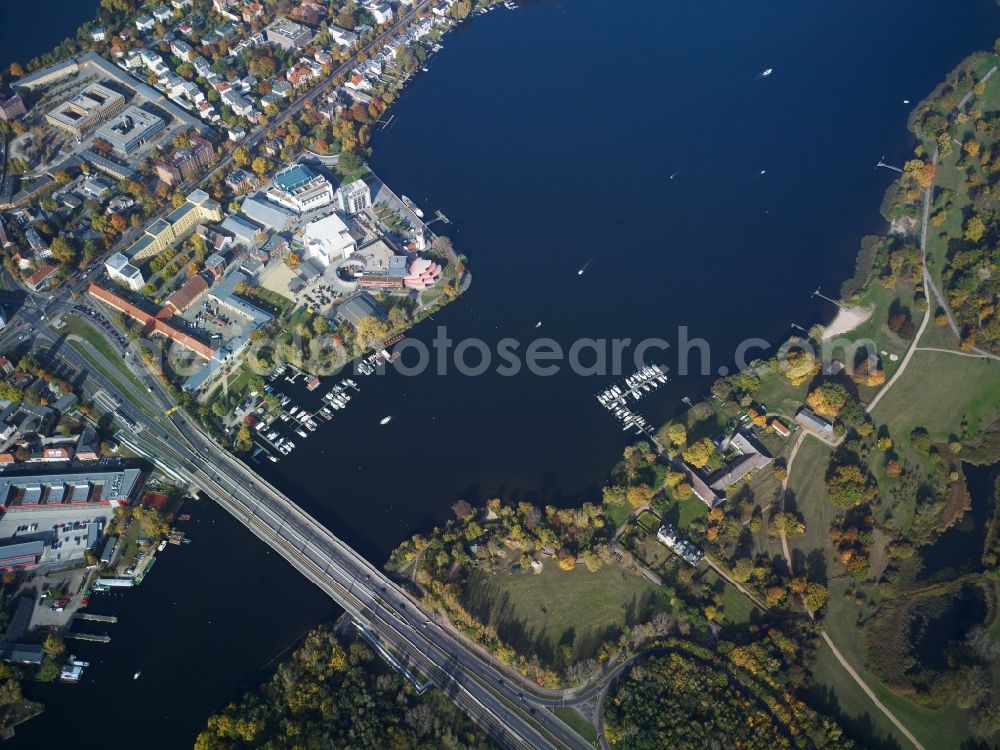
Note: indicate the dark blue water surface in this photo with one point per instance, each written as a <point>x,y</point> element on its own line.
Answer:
<point>28,30</point>
<point>548,135</point>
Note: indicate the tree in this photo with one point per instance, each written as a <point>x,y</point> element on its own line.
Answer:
<point>700,453</point>
<point>639,495</point>
<point>849,486</point>
<point>677,434</point>
<point>243,440</point>
<point>54,646</point>
<point>348,163</point>
<point>828,399</point>
<point>241,155</point>
<point>370,329</point>
<point>62,250</point>
<point>972,687</point>
<point>815,597</point>
<point>16,70</point>
<point>260,166</point>
<point>742,570</point>
<point>614,495</point>
<point>974,229</point>
<point>798,366</point>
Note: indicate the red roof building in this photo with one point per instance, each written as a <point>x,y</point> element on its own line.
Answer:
<point>39,279</point>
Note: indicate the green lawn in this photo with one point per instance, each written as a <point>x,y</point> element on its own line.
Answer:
<point>937,392</point>
<point>565,606</point>
<point>682,512</point>
<point>807,495</point>
<point>577,723</point>
<point>618,513</point>
<point>737,608</point>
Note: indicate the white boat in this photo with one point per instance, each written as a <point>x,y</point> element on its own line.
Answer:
<point>767,72</point>
<point>293,411</point>
<point>301,433</point>
<point>161,546</point>
<point>136,675</point>
<point>385,420</point>
<point>273,459</point>
<point>410,205</point>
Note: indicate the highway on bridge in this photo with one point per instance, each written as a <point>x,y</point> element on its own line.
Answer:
<point>500,701</point>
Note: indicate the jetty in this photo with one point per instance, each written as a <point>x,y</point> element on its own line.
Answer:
<point>89,637</point>
<point>96,618</point>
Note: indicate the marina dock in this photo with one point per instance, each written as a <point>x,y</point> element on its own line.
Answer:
<point>96,618</point>
<point>616,398</point>
<point>89,637</point>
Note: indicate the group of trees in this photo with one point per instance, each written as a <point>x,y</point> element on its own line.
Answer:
<point>329,695</point>
<point>692,698</point>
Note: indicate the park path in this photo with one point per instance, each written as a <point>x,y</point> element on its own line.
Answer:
<point>870,693</point>
<point>927,284</point>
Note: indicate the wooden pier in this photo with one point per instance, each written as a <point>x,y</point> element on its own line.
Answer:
<point>96,618</point>
<point>89,637</point>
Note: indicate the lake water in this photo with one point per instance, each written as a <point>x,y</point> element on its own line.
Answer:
<point>549,135</point>
<point>26,33</point>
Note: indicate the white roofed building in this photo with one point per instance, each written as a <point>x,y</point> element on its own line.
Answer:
<point>328,240</point>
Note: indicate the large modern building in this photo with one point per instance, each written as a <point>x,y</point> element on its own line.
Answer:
<point>267,214</point>
<point>93,488</point>
<point>130,130</point>
<point>199,208</point>
<point>299,189</point>
<point>123,272</point>
<point>354,197</point>
<point>288,34</point>
<point>328,240</point>
<point>87,110</point>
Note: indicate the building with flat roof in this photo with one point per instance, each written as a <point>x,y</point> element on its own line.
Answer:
<point>87,110</point>
<point>243,230</point>
<point>124,273</point>
<point>299,189</point>
<point>358,308</point>
<point>199,208</point>
<point>267,214</point>
<point>288,34</point>
<point>21,554</point>
<point>354,197</point>
<point>130,130</point>
<point>328,240</point>
<point>51,489</point>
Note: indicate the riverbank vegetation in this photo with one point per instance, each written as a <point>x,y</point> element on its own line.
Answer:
<point>735,695</point>
<point>333,694</point>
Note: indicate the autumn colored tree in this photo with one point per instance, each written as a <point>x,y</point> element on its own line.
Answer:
<point>700,453</point>
<point>828,399</point>
<point>798,366</point>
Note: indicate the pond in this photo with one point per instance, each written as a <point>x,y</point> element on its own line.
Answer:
<point>959,549</point>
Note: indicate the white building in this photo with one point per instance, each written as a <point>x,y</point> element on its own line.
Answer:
<point>354,197</point>
<point>328,240</point>
<point>343,37</point>
<point>381,11</point>
<point>299,189</point>
<point>145,23</point>
<point>124,273</point>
